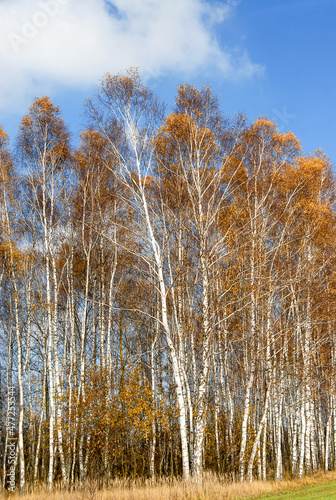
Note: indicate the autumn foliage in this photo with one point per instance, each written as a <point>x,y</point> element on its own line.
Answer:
<point>168,293</point>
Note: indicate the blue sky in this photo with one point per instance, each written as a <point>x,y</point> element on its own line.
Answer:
<point>262,57</point>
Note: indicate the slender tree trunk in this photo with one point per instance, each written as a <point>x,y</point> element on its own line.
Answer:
<point>21,403</point>
<point>39,433</point>
<point>256,443</point>
<point>244,424</point>
<point>201,395</point>
<point>9,385</point>
<point>153,439</point>
<point>58,387</point>
<point>172,351</point>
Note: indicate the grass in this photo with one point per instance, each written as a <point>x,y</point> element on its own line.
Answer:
<point>323,490</point>
<point>320,492</point>
<point>319,486</point>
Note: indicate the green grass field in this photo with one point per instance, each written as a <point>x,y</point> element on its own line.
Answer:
<point>322,491</point>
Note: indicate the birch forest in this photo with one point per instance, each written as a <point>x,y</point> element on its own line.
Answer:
<point>168,293</point>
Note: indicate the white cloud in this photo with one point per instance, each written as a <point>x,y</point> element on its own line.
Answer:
<point>44,43</point>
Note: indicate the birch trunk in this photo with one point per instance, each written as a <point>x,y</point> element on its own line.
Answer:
<point>43,403</point>
<point>172,350</point>
<point>58,387</point>
<point>21,403</point>
<point>201,395</point>
<point>256,443</point>
<point>302,438</point>
<point>9,384</point>
<point>244,425</point>
<point>153,440</point>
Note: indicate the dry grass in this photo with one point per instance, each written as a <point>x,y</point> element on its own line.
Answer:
<point>212,488</point>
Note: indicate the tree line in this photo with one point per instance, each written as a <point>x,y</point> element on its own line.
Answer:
<point>167,293</point>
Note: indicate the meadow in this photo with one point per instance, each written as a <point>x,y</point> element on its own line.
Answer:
<point>319,486</point>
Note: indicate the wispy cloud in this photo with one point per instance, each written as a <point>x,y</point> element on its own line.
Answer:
<point>44,43</point>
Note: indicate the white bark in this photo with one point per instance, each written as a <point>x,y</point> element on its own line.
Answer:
<point>171,347</point>
<point>201,404</point>
<point>246,412</point>
<point>256,443</point>
<point>21,403</point>
<point>278,413</point>
<point>153,387</point>
<point>302,439</point>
